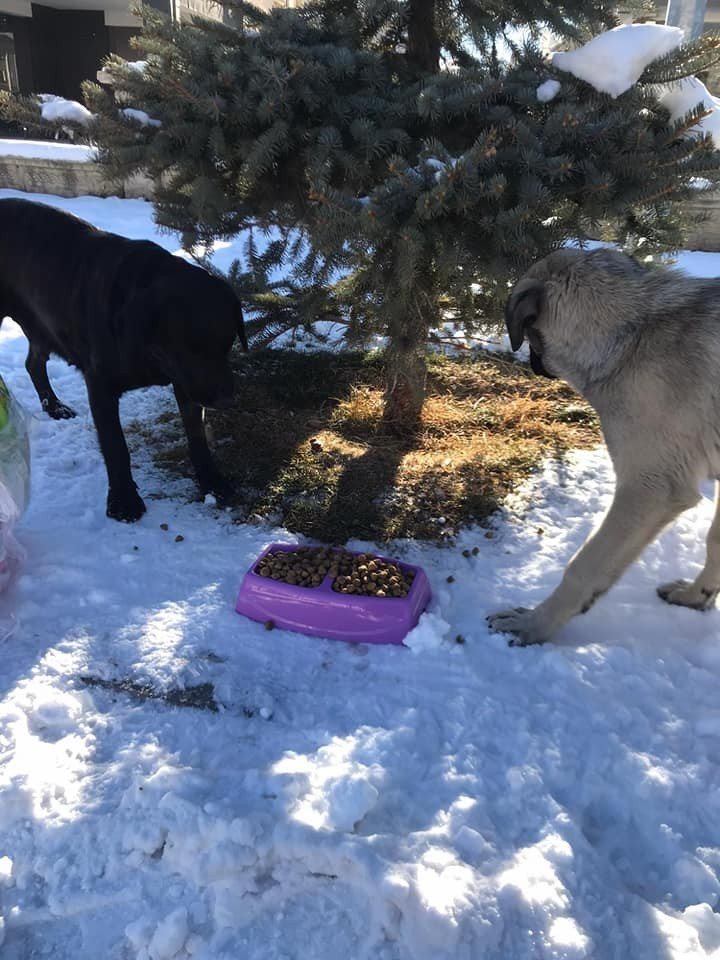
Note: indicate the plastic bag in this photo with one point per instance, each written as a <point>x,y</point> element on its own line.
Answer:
<point>14,480</point>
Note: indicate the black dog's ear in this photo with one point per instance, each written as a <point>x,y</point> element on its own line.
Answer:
<point>523,308</point>
<point>240,326</point>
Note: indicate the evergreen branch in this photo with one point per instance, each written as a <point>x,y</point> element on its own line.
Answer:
<point>689,59</point>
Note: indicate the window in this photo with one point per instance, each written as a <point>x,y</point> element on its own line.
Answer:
<point>8,68</point>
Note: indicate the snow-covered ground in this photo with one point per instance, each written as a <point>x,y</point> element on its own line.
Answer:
<point>47,150</point>
<point>452,800</point>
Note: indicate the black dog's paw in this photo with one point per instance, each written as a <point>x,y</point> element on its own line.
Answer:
<point>126,506</point>
<point>220,487</point>
<point>58,411</point>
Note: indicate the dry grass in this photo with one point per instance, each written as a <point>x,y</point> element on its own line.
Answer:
<point>305,448</point>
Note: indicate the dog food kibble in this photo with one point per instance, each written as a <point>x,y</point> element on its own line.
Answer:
<point>304,567</point>
<point>179,538</point>
<point>359,574</point>
<point>367,576</point>
<point>164,526</point>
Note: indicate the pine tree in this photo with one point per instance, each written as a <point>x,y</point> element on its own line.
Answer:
<point>388,143</point>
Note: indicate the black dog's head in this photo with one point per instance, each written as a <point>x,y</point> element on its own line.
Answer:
<point>194,319</point>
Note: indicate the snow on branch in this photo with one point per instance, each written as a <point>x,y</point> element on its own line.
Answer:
<point>58,109</point>
<point>684,96</point>
<point>141,117</point>
<point>548,91</point>
<point>615,60</point>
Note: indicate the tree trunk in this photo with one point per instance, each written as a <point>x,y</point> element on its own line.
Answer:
<point>406,368</point>
<point>404,391</point>
<point>423,42</point>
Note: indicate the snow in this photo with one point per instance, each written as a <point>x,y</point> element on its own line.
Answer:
<point>452,800</point>
<point>548,90</point>
<point>47,150</point>
<point>170,936</point>
<point>142,118</point>
<point>685,95</point>
<point>58,108</point>
<point>698,263</point>
<point>337,792</point>
<point>614,60</point>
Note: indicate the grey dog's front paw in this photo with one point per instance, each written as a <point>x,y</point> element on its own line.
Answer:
<point>520,621</point>
<point>688,593</point>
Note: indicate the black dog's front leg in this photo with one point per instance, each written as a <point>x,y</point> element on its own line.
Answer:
<point>209,477</point>
<point>123,501</point>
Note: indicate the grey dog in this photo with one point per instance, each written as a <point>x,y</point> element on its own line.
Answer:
<point>643,347</point>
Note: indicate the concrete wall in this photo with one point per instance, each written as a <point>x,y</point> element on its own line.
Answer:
<point>706,236</point>
<point>71,179</point>
<point>66,178</point>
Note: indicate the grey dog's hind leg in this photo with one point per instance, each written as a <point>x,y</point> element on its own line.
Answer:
<point>700,593</point>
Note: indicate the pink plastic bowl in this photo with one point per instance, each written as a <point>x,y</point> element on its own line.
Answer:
<point>321,612</point>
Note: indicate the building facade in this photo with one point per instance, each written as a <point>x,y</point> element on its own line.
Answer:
<point>52,47</point>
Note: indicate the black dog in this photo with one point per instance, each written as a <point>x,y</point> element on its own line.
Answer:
<point>127,314</point>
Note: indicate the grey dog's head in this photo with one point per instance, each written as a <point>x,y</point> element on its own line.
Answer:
<point>570,307</point>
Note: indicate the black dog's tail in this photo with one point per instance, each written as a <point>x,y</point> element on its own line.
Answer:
<point>240,324</point>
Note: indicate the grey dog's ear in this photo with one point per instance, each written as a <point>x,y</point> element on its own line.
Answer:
<point>523,308</point>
